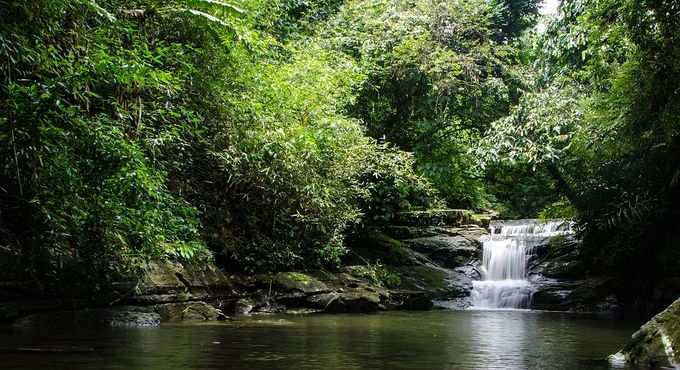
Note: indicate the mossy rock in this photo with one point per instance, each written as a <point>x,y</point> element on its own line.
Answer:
<point>376,246</point>
<point>299,282</point>
<point>657,343</point>
<point>422,278</point>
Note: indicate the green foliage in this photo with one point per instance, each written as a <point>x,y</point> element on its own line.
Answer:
<point>294,161</point>
<point>392,186</point>
<point>377,274</point>
<point>602,122</point>
<point>88,96</point>
<point>436,77</point>
<point>515,16</point>
<point>562,209</point>
<point>163,129</point>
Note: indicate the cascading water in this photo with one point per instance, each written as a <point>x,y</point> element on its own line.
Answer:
<point>506,253</point>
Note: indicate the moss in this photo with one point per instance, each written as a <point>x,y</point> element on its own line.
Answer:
<point>422,278</point>
<point>297,276</point>
<point>647,346</point>
<point>377,247</point>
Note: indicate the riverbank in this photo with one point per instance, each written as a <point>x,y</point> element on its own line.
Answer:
<point>421,261</point>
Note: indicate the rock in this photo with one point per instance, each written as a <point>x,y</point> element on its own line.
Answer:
<point>566,267</point>
<point>558,257</point>
<point>164,282</point>
<point>296,282</point>
<point>244,306</point>
<point>355,301</point>
<point>270,308</point>
<point>188,311</point>
<point>122,316</point>
<point>376,246</point>
<point>596,294</point>
<point>135,319</point>
<point>657,343</point>
<point>322,301</point>
<point>408,232</point>
<point>446,250</point>
<point>409,300</point>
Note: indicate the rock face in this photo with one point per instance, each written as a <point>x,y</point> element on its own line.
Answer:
<point>436,261</point>
<point>560,282</point>
<point>406,266</point>
<point>657,343</point>
<point>167,282</point>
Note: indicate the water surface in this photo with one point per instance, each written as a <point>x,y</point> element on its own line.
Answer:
<point>455,340</point>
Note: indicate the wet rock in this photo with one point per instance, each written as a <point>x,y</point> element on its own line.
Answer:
<point>188,311</point>
<point>244,306</point>
<point>122,316</point>
<point>447,250</point>
<point>409,300</point>
<point>355,301</point>
<point>270,308</point>
<point>596,294</point>
<point>322,301</point>
<point>563,268</point>
<point>135,319</point>
<point>657,343</point>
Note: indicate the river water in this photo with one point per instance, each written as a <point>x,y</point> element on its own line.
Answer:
<point>455,340</point>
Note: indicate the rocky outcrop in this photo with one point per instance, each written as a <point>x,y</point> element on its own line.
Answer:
<point>657,343</point>
<point>401,267</point>
<point>592,294</point>
<point>168,282</point>
<point>120,316</point>
<point>437,261</point>
<point>560,282</point>
<point>188,311</point>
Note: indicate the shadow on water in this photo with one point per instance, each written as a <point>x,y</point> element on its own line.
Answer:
<point>425,340</point>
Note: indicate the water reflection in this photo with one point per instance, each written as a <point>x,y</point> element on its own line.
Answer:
<point>425,340</point>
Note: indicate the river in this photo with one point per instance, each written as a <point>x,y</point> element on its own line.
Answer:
<point>455,340</point>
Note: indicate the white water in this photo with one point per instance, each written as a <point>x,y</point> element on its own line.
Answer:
<point>506,254</point>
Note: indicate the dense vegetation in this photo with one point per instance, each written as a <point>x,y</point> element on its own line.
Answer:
<point>261,133</point>
<point>602,121</point>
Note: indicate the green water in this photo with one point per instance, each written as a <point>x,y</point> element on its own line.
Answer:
<point>419,340</point>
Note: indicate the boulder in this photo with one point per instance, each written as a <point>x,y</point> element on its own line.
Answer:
<point>322,301</point>
<point>188,311</point>
<point>449,251</point>
<point>296,282</point>
<point>167,282</point>
<point>596,294</point>
<point>122,316</point>
<point>409,300</point>
<point>355,301</point>
<point>378,246</point>
<point>244,306</point>
<point>657,343</point>
<point>135,319</point>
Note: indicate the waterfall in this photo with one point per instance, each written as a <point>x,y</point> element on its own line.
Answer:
<point>506,254</point>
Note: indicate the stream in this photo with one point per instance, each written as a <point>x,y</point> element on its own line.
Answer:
<point>456,340</point>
